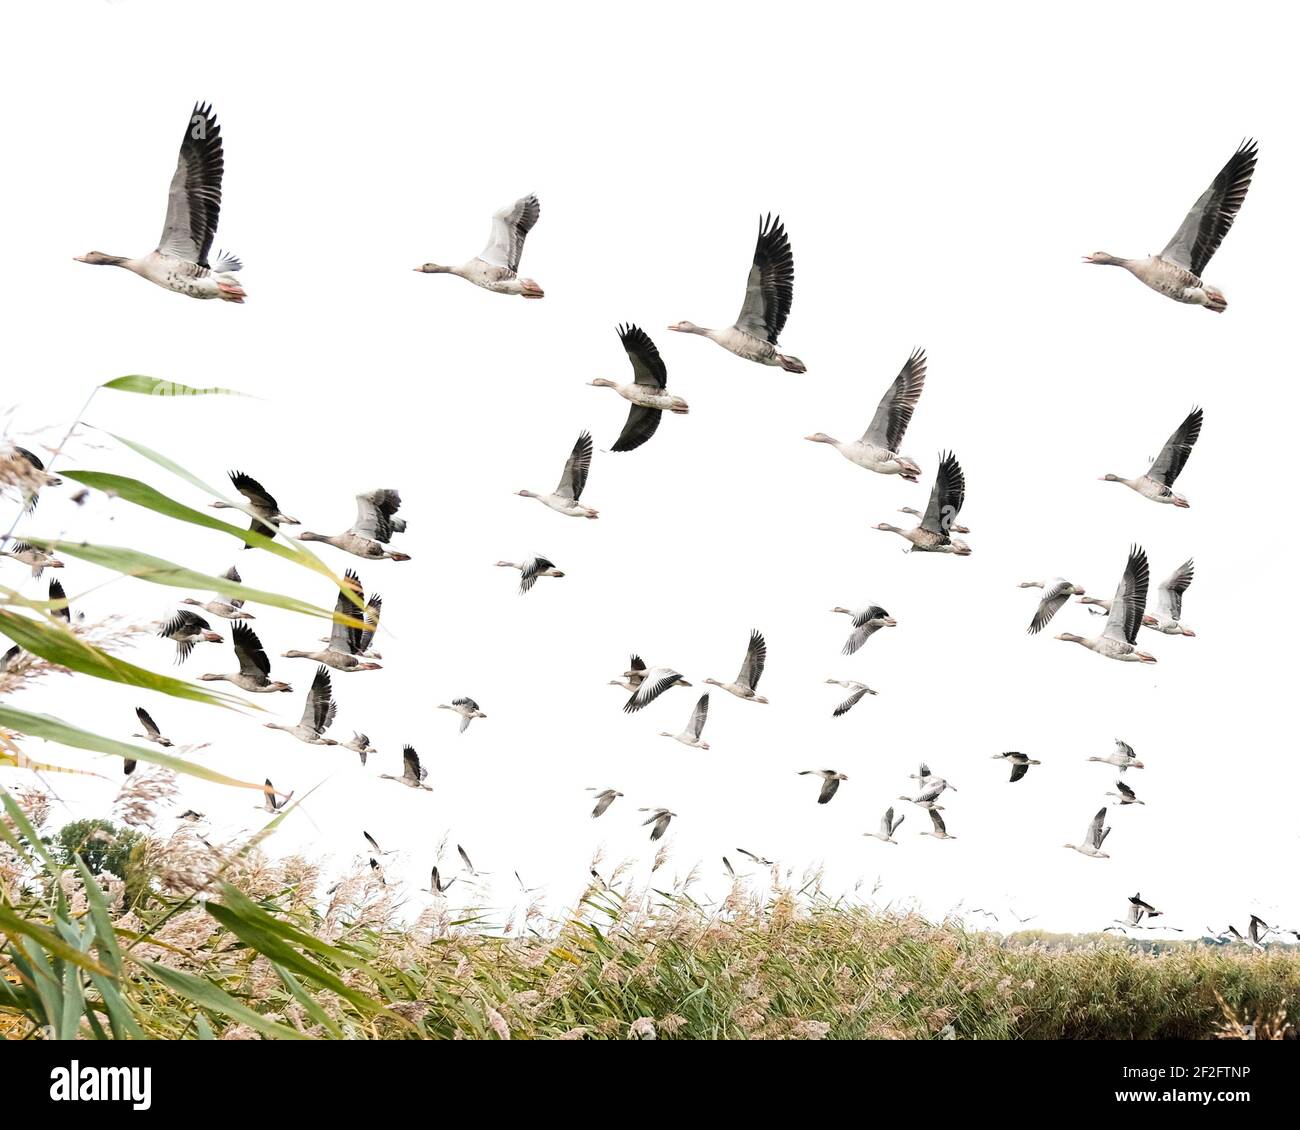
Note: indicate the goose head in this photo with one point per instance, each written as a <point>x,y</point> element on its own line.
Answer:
<point>1111,479</point>
<point>1070,637</point>
<point>98,258</point>
<point>1102,257</point>
<point>820,437</point>
<point>211,637</point>
<point>601,382</point>
<point>527,494</point>
<point>887,528</point>
<point>306,535</point>
<point>686,328</point>
<point>433,269</point>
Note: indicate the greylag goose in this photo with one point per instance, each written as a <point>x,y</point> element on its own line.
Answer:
<point>633,677</point>
<point>751,670</point>
<point>317,713</point>
<point>647,392</point>
<point>860,690</point>
<point>1126,795</point>
<point>254,667</point>
<point>1118,639</point>
<point>227,607</point>
<point>496,267</point>
<point>467,708</point>
<point>694,726</point>
<point>564,499</point>
<point>1157,484</point>
<point>151,731</point>
<point>931,789</point>
<point>36,560</point>
<point>922,774</point>
<point>888,826</point>
<point>186,629</point>
<point>1169,602</point>
<point>768,295</point>
<point>464,858</point>
<point>345,641</point>
<point>830,782</point>
<point>1138,903</point>
<point>1176,271</point>
<point>267,516</point>
<point>360,745</point>
<point>946,498</point>
<point>269,801</point>
<point>413,774</point>
<point>1122,757</point>
<point>374,844</point>
<point>1093,838</point>
<point>604,798</point>
<point>180,262</point>
<point>877,450</point>
<point>530,569</point>
<point>866,622</point>
<point>1020,763</point>
<point>1056,591</point>
<point>25,470</point>
<point>660,818</point>
<point>648,685</point>
<point>436,885</point>
<point>370,617</point>
<point>760,860</point>
<point>954,528</point>
<point>939,830</point>
<point>372,529</point>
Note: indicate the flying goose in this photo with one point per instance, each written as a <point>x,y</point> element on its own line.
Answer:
<point>530,569</point>
<point>1254,938</point>
<point>1093,838</point>
<point>60,609</point>
<point>186,629</point>
<point>1126,795</point>
<point>25,470</point>
<point>180,262</point>
<point>922,774</point>
<point>946,498</point>
<point>360,745</point>
<point>268,798</point>
<point>768,295</point>
<point>1176,271</point>
<point>694,727</point>
<point>496,267</point>
<point>151,731</point>
<point>467,708</point>
<point>1138,903</point>
<point>649,400</point>
<point>931,789</point>
<point>227,607</point>
<point>751,670</point>
<point>859,691</point>
<point>564,499</point>
<point>317,713</point>
<point>1169,602</point>
<point>830,782</point>
<point>10,658</point>
<point>267,516</point>
<point>648,685</point>
<point>345,641</point>
<point>888,826</point>
<point>940,829</point>
<point>374,844</point>
<point>436,885</point>
<point>1118,639</point>
<point>370,617</point>
<point>604,798</point>
<point>1020,763</point>
<point>1157,484</point>
<point>35,559</point>
<point>954,528</point>
<point>877,450</point>
<point>371,530</point>
<point>413,774</point>
<point>1122,757</point>
<point>866,622</point>
<point>254,667</point>
<point>660,818</point>
<point>760,860</point>
<point>1056,591</point>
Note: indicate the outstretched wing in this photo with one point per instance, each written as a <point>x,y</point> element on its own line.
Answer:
<point>1169,596</point>
<point>648,367</point>
<point>946,496</point>
<point>1169,463</point>
<point>770,289</point>
<point>751,670</point>
<point>894,412</point>
<point>1130,599</point>
<point>1048,607</point>
<point>510,227</point>
<point>194,199</point>
<point>574,478</point>
<point>1213,213</point>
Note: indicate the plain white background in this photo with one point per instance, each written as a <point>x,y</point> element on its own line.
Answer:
<point>941,170</point>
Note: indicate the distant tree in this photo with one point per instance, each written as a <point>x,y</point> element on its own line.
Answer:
<point>101,844</point>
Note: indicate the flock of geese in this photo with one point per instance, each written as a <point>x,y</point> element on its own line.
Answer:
<point>183,262</point>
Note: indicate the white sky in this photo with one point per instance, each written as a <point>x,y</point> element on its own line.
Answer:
<point>941,170</point>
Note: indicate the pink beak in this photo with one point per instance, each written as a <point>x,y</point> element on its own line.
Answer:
<point>212,637</point>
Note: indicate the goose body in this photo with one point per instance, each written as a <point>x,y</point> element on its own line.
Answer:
<point>938,830</point>
<point>1020,763</point>
<point>413,774</point>
<point>317,715</point>
<point>888,826</point>
<point>1119,637</point>
<point>1093,838</point>
<point>647,394</point>
<point>228,608</point>
<point>660,818</point>
<point>1126,795</point>
<point>859,691</point>
<point>1167,618</point>
<point>269,795</point>
<point>530,570</point>
<point>345,641</point>
<point>267,515</point>
<point>467,708</point>
<point>694,726</point>
<point>25,470</point>
<point>35,559</point>
<point>372,529</point>
<point>186,629</point>
<point>496,267</point>
<point>867,620</point>
<point>1122,757</point>
<point>1056,591</point>
<point>831,779</point>
<point>151,731</point>
<point>360,745</point>
<point>564,499</point>
<point>647,684</point>
<point>933,535</point>
<point>750,671</point>
<point>254,672</point>
<point>1158,483</point>
<point>604,798</point>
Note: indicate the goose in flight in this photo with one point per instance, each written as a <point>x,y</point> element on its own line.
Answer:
<point>436,885</point>
<point>186,629</point>
<point>1020,763</point>
<point>1093,838</point>
<point>496,267</point>
<point>181,260</point>
<point>60,608</point>
<point>888,826</point>
<point>932,789</point>
<point>1145,908</point>
<point>465,860</point>
<point>269,801</point>
<point>830,782</point>
<point>151,731</point>
<point>647,392</point>
<point>751,670</point>
<point>317,713</point>
<point>954,528</point>
<point>946,498</point>
<point>877,450</point>
<point>564,499</point>
<point>1255,932</point>
<point>368,616</point>
<point>1122,757</point>
<point>1118,639</point>
<point>254,667</point>
<point>346,642</point>
<point>267,516</point>
<point>634,676</point>
<point>760,860</point>
<point>1158,483</point>
<point>1176,271</point>
<point>768,295</point>
<point>1056,591</point>
<point>866,622</point>
<point>25,470</point>
<point>413,774</point>
<point>604,798</point>
<point>374,844</point>
<point>1169,602</point>
<point>35,559</point>
<point>922,774</point>
<point>940,829</point>
<point>530,569</point>
<point>1126,795</point>
<point>648,685</point>
<point>467,708</point>
<point>859,691</point>
<point>360,745</point>
<point>372,529</point>
<point>660,818</point>
<point>227,607</point>
<point>694,726</point>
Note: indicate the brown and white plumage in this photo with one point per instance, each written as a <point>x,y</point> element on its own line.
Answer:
<point>604,798</point>
<point>1020,763</point>
<point>1056,591</point>
<point>938,829</point>
<point>564,499</point>
<point>694,726</point>
<point>859,691</point>
<point>413,774</point>
<point>531,569</point>
<point>186,629</point>
<point>647,393</point>
<point>254,667</point>
<point>317,713</point>
<point>648,684</point>
<point>496,267</point>
<point>831,779</point>
<point>888,826</point>
<point>660,818</point>
<point>867,620</point>
<point>1119,637</point>
<point>1122,757</point>
<point>347,642</point>
<point>267,515</point>
<point>226,606</point>
<point>371,530</point>
<point>1168,615</point>
<point>1093,838</point>
<point>1157,484</point>
<point>467,708</point>
<point>151,731</point>
<point>751,670</point>
<point>360,745</point>
<point>37,560</point>
<point>269,801</point>
<point>947,496</point>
